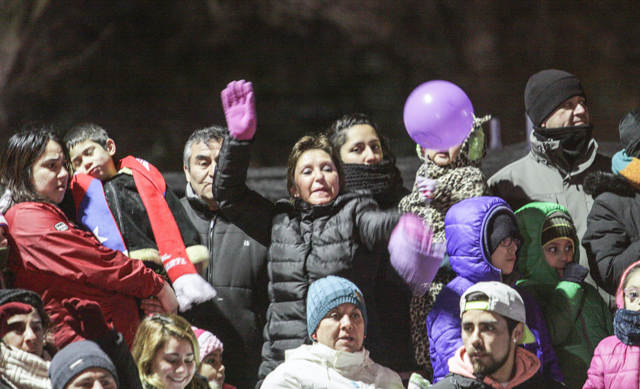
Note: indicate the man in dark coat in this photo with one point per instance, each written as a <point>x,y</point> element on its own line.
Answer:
<point>493,317</point>
<point>238,261</point>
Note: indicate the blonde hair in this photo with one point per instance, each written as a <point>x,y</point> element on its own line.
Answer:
<point>153,333</point>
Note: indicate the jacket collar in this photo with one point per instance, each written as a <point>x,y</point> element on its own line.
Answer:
<point>339,360</point>
<point>550,153</point>
<point>199,206</point>
<point>526,366</point>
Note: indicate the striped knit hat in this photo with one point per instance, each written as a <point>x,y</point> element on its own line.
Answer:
<point>208,342</point>
<point>558,226</point>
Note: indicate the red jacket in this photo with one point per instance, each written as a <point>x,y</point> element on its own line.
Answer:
<point>55,259</point>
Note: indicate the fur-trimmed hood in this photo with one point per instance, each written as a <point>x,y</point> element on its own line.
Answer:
<point>597,183</point>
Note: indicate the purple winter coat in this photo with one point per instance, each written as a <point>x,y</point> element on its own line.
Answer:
<point>464,229</point>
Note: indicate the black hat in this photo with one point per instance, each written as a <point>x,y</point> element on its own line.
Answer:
<point>558,226</point>
<point>502,224</point>
<point>546,90</point>
<point>630,133</point>
<point>76,358</point>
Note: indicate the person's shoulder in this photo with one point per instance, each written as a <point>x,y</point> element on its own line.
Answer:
<point>458,381</point>
<point>510,170</point>
<point>540,380</point>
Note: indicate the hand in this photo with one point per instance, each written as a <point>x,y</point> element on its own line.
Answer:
<point>86,318</point>
<point>240,109</point>
<point>414,255</point>
<point>427,188</point>
<point>574,272</point>
<point>10,309</point>
<point>152,306</point>
<point>168,299</point>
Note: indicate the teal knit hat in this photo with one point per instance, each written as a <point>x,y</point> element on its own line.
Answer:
<point>326,294</point>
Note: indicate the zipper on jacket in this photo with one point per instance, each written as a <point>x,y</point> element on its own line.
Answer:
<point>212,225</point>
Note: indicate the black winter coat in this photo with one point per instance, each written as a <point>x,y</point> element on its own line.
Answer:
<point>456,381</point>
<point>308,242</point>
<point>238,271</point>
<point>312,242</point>
<point>612,240</point>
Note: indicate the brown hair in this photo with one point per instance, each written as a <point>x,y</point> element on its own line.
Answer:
<point>18,157</point>
<point>306,143</point>
<point>153,333</point>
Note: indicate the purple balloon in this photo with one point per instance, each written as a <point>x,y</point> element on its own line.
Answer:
<point>438,115</point>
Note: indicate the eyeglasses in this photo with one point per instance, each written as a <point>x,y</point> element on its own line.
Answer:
<point>632,294</point>
<point>506,242</point>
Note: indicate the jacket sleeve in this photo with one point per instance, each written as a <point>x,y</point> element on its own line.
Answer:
<point>375,226</point>
<point>282,378</point>
<point>444,330</point>
<point>244,207</point>
<point>595,374</point>
<point>609,246</point>
<point>113,344</point>
<point>563,310</point>
<point>53,245</point>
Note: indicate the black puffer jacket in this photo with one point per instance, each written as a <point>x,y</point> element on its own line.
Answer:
<point>238,271</point>
<point>311,242</point>
<point>612,240</point>
<point>307,242</point>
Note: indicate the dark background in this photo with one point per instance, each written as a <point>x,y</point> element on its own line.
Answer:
<point>151,72</point>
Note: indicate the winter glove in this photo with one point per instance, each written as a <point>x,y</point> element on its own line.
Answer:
<point>426,188</point>
<point>574,272</point>
<point>240,109</point>
<point>86,318</point>
<point>414,255</point>
<point>10,309</point>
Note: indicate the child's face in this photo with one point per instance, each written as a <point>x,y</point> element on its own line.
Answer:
<point>443,157</point>
<point>559,253</point>
<point>88,157</point>
<point>632,292</point>
<point>213,369</point>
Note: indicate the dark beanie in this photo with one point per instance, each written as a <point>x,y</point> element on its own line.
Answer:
<point>502,224</point>
<point>558,226</point>
<point>546,90</point>
<point>76,358</point>
<point>630,133</point>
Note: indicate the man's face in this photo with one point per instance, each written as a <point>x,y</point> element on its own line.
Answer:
<point>202,166</point>
<point>573,112</point>
<point>487,341</point>
<point>93,378</point>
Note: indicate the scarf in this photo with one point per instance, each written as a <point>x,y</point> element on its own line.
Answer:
<point>383,180</point>
<point>626,326</point>
<point>573,140</point>
<point>453,181</point>
<point>22,369</point>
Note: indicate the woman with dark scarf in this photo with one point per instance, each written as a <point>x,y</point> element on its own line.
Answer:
<point>369,164</point>
<point>616,361</point>
<point>457,176</point>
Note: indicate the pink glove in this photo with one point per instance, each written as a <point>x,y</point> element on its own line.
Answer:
<point>414,254</point>
<point>240,109</point>
<point>427,188</point>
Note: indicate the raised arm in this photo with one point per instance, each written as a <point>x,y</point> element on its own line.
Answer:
<point>242,206</point>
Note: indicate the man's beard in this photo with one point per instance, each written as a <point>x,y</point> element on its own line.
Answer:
<point>479,368</point>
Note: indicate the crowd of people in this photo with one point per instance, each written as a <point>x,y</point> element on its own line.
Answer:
<point>354,281</point>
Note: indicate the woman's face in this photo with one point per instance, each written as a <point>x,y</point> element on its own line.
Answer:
<point>558,254</point>
<point>443,157</point>
<point>50,176</point>
<point>342,329</point>
<point>316,178</point>
<point>362,146</point>
<point>212,368</point>
<point>25,332</point>
<point>174,363</point>
<point>632,292</point>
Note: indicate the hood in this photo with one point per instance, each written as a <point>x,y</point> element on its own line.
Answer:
<point>550,153</point>
<point>464,225</point>
<point>326,356</point>
<point>620,291</point>
<point>532,263</point>
<point>597,183</point>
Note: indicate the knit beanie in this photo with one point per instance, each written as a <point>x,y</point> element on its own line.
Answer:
<point>76,358</point>
<point>630,133</point>
<point>326,294</point>
<point>558,226</point>
<point>208,342</point>
<point>502,224</point>
<point>546,90</point>
<point>26,297</point>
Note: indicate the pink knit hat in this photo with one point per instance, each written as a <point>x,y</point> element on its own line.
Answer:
<point>208,342</point>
